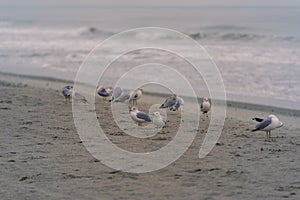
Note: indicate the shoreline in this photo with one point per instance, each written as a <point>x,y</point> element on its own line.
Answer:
<point>56,84</point>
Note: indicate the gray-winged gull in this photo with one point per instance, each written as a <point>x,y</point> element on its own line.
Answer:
<point>179,102</point>
<point>138,116</point>
<point>169,102</point>
<point>67,92</point>
<point>267,125</point>
<point>117,92</point>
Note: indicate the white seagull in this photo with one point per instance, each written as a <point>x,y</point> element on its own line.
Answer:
<point>267,125</point>
<point>135,95</point>
<point>159,120</point>
<point>138,116</point>
<point>205,106</point>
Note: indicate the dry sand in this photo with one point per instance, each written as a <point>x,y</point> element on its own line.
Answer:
<point>42,157</point>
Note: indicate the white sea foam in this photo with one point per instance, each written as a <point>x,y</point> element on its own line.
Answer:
<point>253,62</point>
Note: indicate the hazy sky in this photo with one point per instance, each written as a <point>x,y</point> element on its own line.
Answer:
<point>156,2</point>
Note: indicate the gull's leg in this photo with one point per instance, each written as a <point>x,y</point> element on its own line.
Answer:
<point>271,137</point>
<point>67,99</point>
<point>268,136</point>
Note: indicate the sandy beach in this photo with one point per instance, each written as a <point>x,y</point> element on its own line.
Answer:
<point>42,156</point>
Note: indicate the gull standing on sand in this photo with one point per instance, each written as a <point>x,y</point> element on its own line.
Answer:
<point>138,116</point>
<point>267,125</point>
<point>159,120</point>
<point>135,95</point>
<point>169,102</point>
<point>67,92</point>
<point>179,102</point>
<point>116,93</point>
<point>205,106</point>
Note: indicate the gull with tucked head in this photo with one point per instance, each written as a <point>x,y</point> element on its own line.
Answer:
<point>103,92</point>
<point>169,102</point>
<point>267,125</point>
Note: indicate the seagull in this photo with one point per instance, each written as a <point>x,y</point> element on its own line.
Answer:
<point>159,120</point>
<point>169,102</point>
<point>103,92</point>
<point>67,92</point>
<point>135,95</point>
<point>117,92</point>
<point>205,105</point>
<point>269,124</point>
<point>138,116</point>
<point>179,102</point>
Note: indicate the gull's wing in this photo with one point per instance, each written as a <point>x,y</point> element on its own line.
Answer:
<point>169,102</point>
<point>178,103</point>
<point>263,124</point>
<point>66,91</point>
<point>102,92</point>
<point>116,93</point>
<point>144,116</point>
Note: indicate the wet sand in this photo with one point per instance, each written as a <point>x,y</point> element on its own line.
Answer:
<point>42,156</point>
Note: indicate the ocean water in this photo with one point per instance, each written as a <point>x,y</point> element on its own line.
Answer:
<point>257,49</point>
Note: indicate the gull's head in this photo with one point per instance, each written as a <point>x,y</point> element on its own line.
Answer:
<point>205,99</point>
<point>133,108</point>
